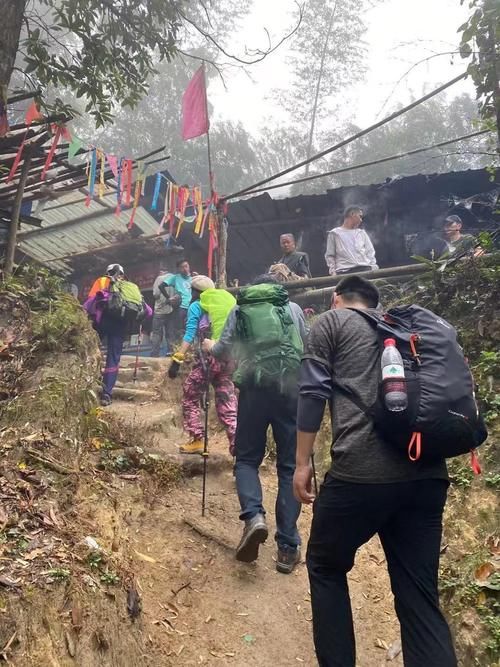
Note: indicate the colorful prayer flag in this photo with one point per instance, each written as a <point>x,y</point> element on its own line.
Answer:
<point>75,145</point>
<point>32,114</point>
<point>195,120</point>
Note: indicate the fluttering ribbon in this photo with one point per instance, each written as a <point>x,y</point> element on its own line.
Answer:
<point>119,187</point>
<point>102,183</point>
<point>182,201</point>
<point>92,176</point>
<point>174,191</point>
<point>75,145</point>
<point>198,204</point>
<point>50,156</point>
<point>138,190</point>
<point>31,114</point>
<point>166,205</point>
<point>113,163</point>
<point>128,191</point>
<point>156,193</point>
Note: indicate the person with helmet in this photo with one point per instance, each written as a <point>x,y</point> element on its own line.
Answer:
<point>113,303</point>
<point>206,317</point>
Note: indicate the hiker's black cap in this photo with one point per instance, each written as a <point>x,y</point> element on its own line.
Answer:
<point>360,287</point>
<point>451,219</point>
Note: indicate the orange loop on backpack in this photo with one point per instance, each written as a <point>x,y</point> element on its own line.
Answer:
<point>416,445</point>
<point>414,338</point>
<point>474,462</point>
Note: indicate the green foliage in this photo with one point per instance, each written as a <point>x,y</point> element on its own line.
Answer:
<point>461,474</point>
<point>438,119</point>
<point>487,374</point>
<point>59,574</point>
<point>323,54</point>
<point>466,293</point>
<point>480,45</point>
<point>39,286</point>
<point>60,328</point>
<point>492,480</point>
<point>59,322</point>
<point>103,50</point>
<point>98,561</point>
<point>490,615</point>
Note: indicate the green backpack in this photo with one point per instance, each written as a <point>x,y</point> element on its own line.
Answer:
<point>126,301</point>
<point>269,345</point>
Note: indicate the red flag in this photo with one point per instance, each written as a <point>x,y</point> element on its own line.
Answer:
<point>194,107</point>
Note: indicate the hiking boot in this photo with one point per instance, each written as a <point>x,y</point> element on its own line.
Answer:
<point>193,447</point>
<point>254,534</point>
<point>287,559</point>
<point>105,401</point>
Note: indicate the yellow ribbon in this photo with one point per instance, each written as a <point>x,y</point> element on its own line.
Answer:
<point>102,183</point>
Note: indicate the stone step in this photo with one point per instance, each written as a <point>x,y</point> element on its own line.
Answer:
<point>154,363</point>
<point>135,395</point>
<point>148,385</point>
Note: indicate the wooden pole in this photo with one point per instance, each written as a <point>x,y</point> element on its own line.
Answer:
<point>330,281</point>
<point>16,210</point>
<point>222,228</point>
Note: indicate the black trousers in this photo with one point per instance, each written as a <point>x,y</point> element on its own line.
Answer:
<point>408,519</point>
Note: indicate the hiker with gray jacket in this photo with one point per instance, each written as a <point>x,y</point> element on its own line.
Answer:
<point>265,333</point>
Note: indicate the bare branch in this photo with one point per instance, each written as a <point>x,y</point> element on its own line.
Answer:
<point>208,61</point>
<point>220,48</point>
<point>435,55</point>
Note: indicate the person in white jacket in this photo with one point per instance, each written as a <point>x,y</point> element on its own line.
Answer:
<point>349,248</point>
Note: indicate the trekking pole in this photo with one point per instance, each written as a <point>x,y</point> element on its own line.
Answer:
<point>206,401</point>
<point>139,342</point>
<point>315,480</point>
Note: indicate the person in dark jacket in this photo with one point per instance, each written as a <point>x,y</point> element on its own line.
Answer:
<point>296,261</point>
<point>371,488</point>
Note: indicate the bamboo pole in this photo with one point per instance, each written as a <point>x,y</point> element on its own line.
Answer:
<point>330,281</point>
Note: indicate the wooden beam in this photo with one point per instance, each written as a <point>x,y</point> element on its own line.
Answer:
<point>14,221</point>
<point>330,281</point>
<point>20,97</point>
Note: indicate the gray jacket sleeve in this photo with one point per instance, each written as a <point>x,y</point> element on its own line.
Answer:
<point>299,320</point>
<point>222,347</point>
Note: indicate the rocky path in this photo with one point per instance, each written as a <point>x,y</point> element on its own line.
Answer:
<point>202,607</point>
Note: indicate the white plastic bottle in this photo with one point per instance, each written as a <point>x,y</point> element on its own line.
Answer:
<point>393,377</point>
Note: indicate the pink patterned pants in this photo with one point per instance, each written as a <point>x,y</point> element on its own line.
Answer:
<point>226,403</point>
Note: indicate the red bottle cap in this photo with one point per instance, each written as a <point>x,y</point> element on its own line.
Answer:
<point>389,341</point>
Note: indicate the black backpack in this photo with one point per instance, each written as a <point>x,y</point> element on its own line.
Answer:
<point>442,419</point>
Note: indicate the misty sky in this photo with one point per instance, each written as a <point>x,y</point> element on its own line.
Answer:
<point>401,32</point>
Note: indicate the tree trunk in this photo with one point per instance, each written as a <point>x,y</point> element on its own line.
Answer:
<point>318,87</point>
<point>12,13</point>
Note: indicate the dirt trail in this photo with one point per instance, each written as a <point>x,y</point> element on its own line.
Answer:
<point>202,607</point>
